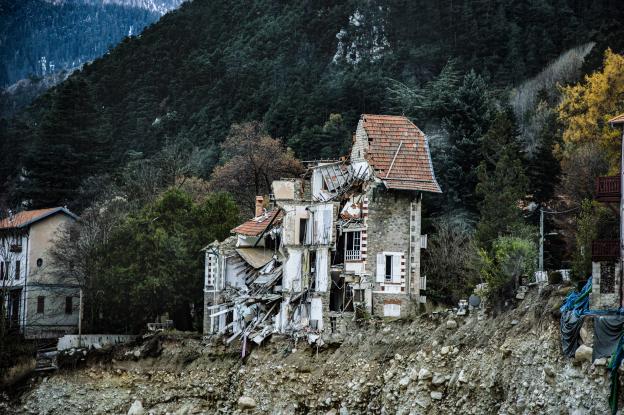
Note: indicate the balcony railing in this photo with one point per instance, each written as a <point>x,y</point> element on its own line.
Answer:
<point>353,255</point>
<point>608,189</point>
<point>605,250</point>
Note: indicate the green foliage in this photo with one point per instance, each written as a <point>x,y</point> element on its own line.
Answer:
<point>594,221</point>
<point>450,261</point>
<point>213,63</point>
<point>502,184</point>
<point>510,258</point>
<point>153,261</point>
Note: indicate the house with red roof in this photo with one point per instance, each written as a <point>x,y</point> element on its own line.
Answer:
<point>340,241</point>
<point>37,301</point>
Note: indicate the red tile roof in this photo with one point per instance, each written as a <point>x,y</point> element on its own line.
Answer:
<point>27,217</point>
<point>617,120</point>
<point>257,225</point>
<point>399,153</point>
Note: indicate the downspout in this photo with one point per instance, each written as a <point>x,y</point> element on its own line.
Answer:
<point>25,293</point>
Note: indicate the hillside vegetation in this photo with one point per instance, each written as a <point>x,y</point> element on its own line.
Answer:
<point>291,65</point>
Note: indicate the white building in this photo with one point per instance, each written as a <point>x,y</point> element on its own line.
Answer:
<point>38,302</point>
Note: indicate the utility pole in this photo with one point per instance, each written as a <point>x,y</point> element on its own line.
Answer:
<point>80,320</point>
<point>541,241</point>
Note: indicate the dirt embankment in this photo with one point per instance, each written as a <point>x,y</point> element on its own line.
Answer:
<point>510,364</point>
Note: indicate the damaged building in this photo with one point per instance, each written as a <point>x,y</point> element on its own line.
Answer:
<point>342,240</point>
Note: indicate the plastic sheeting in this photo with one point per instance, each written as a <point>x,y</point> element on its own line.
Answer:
<point>607,332</point>
<point>571,324</point>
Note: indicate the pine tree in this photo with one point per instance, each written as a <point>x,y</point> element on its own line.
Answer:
<point>502,183</point>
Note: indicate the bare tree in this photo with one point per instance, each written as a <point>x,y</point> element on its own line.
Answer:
<point>252,161</point>
<point>76,252</point>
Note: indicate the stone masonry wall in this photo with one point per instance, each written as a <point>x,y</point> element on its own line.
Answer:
<point>388,229</point>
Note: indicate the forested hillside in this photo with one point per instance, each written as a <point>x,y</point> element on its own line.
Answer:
<point>38,38</point>
<point>213,63</point>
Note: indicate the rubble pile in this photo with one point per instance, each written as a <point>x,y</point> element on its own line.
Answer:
<point>436,364</point>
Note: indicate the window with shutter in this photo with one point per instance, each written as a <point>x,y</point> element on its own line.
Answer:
<point>381,267</point>
<point>396,268</point>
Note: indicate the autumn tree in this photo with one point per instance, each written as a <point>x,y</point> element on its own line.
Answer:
<point>587,106</point>
<point>251,160</point>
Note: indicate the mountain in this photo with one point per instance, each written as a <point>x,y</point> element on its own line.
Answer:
<point>212,63</point>
<point>38,38</point>
<point>156,6</point>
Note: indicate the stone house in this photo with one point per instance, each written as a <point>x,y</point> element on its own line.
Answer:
<point>341,241</point>
<point>38,303</point>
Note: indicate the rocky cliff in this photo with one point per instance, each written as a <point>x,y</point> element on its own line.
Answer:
<point>436,364</point>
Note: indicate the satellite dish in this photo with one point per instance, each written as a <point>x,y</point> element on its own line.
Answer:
<point>474,300</point>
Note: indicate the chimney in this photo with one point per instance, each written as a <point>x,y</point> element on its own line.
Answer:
<point>259,205</point>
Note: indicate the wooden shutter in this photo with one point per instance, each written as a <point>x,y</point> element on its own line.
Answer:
<point>381,267</point>
<point>396,268</point>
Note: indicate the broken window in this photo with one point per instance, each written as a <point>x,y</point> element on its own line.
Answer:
<point>40,304</point>
<point>17,270</point>
<point>353,246</point>
<point>69,306</point>
<point>303,226</point>
<point>4,270</point>
<point>359,295</point>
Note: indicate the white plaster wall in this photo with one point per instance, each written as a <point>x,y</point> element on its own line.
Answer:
<point>322,270</point>
<point>292,271</point>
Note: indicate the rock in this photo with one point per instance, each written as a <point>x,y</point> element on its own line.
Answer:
<point>424,374</point>
<point>404,381</point>
<point>520,296</point>
<point>436,396</point>
<point>451,324</point>
<point>438,379</point>
<point>583,353</point>
<point>136,408</point>
<point>445,350</point>
<point>600,362</point>
<point>246,402</point>
<point>137,353</point>
<point>549,371</point>
<point>514,322</point>
<point>462,377</point>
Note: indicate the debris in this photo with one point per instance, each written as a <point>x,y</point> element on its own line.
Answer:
<point>136,408</point>
<point>245,402</point>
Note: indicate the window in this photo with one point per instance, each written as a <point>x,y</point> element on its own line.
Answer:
<point>40,304</point>
<point>358,295</point>
<point>353,246</point>
<point>303,226</point>
<point>5,270</point>
<point>211,265</point>
<point>388,274</point>
<point>392,310</point>
<point>17,270</point>
<point>69,307</point>
<point>39,262</point>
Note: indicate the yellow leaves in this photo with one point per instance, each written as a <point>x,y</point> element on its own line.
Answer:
<point>587,106</point>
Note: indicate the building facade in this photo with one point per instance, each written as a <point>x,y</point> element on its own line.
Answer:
<point>340,242</point>
<point>38,302</point>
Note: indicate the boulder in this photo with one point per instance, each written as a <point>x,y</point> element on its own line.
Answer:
<point>445,350</point>
<point>600,362</point>
<point>438,379</point>
<point>246,402</point>
<point>451,324</point>
<point>436,396</point>
<point>583,353</point>
<point>424,374</point>
<point>136,408</point>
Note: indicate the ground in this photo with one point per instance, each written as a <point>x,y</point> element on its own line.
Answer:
<point>435,364</point>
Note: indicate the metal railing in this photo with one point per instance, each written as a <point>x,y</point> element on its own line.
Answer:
<point>605,250</point>
<point>353,255</point>
<point>608,187</point>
